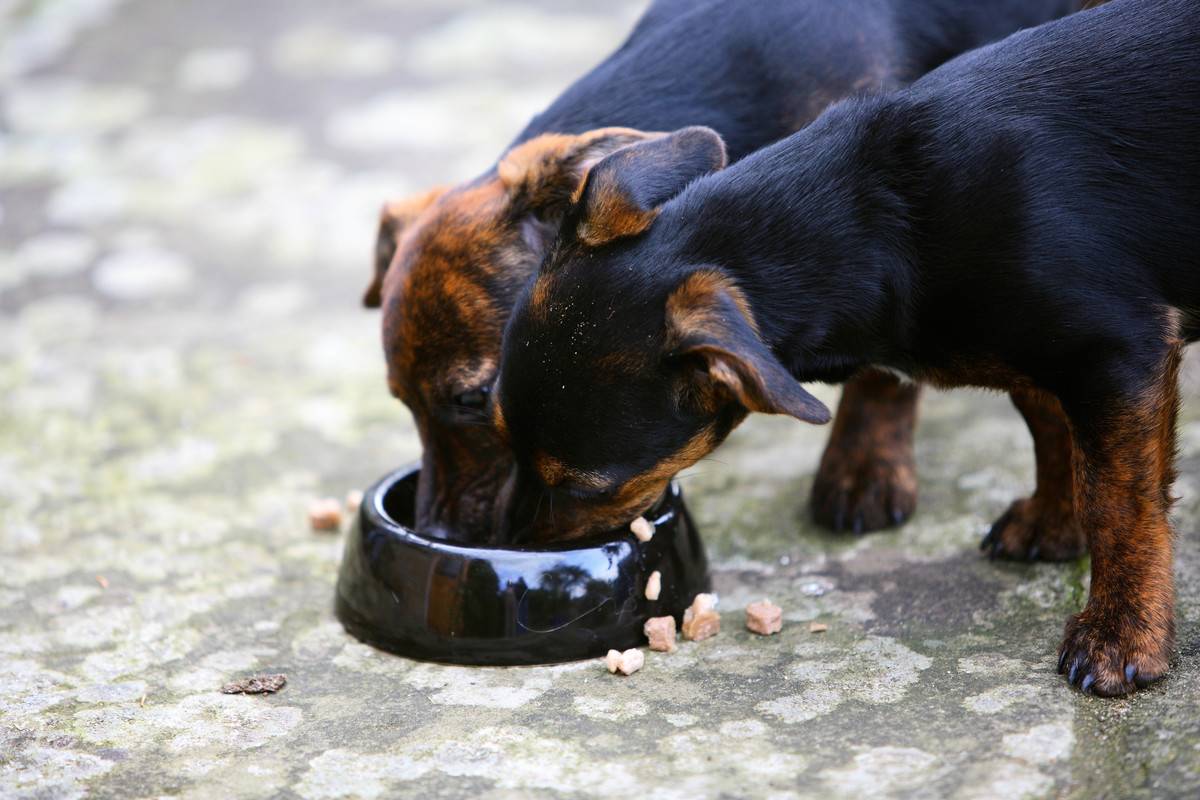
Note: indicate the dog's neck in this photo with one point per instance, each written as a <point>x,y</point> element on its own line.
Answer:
<point>815,231</point>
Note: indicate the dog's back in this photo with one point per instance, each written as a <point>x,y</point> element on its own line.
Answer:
<point>756,71</point>
<point>1106,150</point>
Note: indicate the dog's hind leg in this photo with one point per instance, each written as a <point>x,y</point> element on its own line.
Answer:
<point>867,479</point>
<point>1124,467</point>
<point>1043,526</point>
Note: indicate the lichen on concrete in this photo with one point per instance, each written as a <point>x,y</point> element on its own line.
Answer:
<point>188,194</point>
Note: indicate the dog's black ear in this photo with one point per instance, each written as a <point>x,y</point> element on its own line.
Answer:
<point>545,172</point>
<point>708,316</point>
<point>623,192</point>
<point>393,219</point>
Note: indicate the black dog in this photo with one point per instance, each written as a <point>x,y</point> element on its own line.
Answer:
<point>756,72</point>
<point>1025,218</point>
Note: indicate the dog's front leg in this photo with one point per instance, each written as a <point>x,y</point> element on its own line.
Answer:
<point>1124,465</point>
<point>867,479</point>
<point>1044,526</point>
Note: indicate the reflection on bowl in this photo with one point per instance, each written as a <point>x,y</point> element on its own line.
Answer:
<point>435,599</point>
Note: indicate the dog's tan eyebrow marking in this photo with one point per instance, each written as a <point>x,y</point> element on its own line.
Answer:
<point>549,468</point>
<point>592,480</point>
<point>619,365</point>
<point>465,376</point>
<point>554,472</point>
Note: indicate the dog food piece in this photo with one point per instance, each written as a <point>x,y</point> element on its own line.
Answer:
<point>353,500</point>
<point>817,627</point>
<point>654,585</point>
<point>703,602</point>
<point>613,660</point>
<point>699,627</point>
<point>661,633</point>
<point>631,661</point>
<point>325,514</point>
<point>643,529</point>
<point>259,684</point>
<point>764,617</point>
<point>700,620</point>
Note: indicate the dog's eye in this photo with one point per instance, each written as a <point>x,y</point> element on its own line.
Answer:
<point>474,400</point>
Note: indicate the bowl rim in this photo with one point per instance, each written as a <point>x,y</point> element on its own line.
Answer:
<point>664,511</point>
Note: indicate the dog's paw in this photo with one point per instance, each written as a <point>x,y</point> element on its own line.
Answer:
<point>864,491</point>
<point>1112,654</point>
<point>1031,531</point>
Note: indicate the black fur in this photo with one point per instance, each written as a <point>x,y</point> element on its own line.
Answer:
<point>1035,203</point>
<point>756,70</point>
<point>1029,212</point>
<point>1025,218</point>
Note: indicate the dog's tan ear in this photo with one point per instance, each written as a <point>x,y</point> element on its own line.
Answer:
<point>546,171</point>
<point>395,216</point>
<point>708,316</point>
<point>622,193</point>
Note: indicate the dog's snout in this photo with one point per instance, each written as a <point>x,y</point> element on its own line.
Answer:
<point>519,507</point>
<point>458,487</point>
<point>504,513</point>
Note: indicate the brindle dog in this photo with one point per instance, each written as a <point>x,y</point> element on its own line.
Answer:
<point>1024,218</point>
<point>451,262</point>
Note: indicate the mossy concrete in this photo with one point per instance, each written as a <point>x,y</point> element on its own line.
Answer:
<point>188,195</point>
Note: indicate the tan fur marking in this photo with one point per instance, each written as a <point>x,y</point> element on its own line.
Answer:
<point>472,300</point>
<point>690,307</point>
<point>1124,468</point>
<point>441,335</point>
<point>558,161</point>
<point>526,162</point>
<point>549,468</point>
<point>395,217</point>
<point>500,423</point>
<point>539,297</point>
<point>633,497</point>
<point>694,313</point>
<point>554,472</point>
<point>1173,327</point>
<point>610,216</point>
<point>618,366</point>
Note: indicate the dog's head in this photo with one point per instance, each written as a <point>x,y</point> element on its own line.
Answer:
<point>449,265</point>
<point>624,364</point>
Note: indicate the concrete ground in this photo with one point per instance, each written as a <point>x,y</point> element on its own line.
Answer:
<point>188,193</point>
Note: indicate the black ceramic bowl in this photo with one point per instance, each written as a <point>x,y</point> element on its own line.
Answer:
<point>439,600</point>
